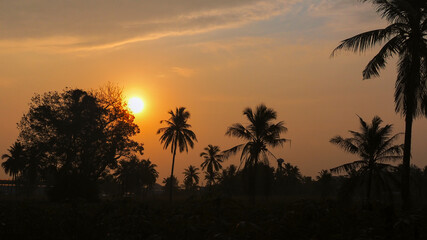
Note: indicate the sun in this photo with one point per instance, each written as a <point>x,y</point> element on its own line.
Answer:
<point>136,105</point>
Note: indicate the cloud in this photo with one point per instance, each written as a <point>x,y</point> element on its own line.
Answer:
<point>184,72</point>
<point>102,24</point>
<point>344,15</point>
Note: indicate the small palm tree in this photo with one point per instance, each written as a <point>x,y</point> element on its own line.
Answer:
<point>406,38</point>
<point>177,135</point>
<point>374,145</point>
<point>213,159</point>
<point>14,163</point>
<point>258,135</point>
<point>191,177</point>
<point>211,178</point>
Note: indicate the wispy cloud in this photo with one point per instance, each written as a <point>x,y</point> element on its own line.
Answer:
<point>93,25</point>
<point>184,72</point>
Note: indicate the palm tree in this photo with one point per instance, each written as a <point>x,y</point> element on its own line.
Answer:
<point>258,135</point>
<point>213,159</point>
<point>405,37</point>
<point>191,177</point>
<point>374,145</point>
<point>136,175</point>
<point>14,163</point>
<point>177,135</point>
<point>211,178</point>
<point>149,174</point>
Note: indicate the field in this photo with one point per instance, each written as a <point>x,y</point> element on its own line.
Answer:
<point>207,218</point>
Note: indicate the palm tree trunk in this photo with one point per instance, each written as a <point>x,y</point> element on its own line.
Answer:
<point>368,193</point>
<point>171,177</point>
<point>406,163</point>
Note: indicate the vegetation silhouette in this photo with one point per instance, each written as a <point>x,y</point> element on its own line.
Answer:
<point>406,38</point>
<point>259,134</point>
<point>72,139</point>
<point>14,162</point>
<point>136,176</point>
<point>177,134</point>
<point>168,184</point>
<point>191,178</point>
<point>375,146</point>
<point>212,162</point>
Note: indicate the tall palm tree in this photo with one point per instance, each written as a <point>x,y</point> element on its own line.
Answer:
<point>191,177</point>
<point>406,38</point>
<point>258,135</point>
<point>14,163</point>
<point>213,159</point>
<point>177,135</point>
<point>374,145</point>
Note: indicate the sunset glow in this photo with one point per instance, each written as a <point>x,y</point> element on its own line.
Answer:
<point>136,105</point>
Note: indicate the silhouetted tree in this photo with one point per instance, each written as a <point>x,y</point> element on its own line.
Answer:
<point>14,161</point>
<point>258,135</point>
<point>374,145</point>
<point>76,136</point>
<point>324,181</point>
<point>288,178</point>
<point>175,184</point>
<point>191,178</point>
<point>228,180</point>
<point>177,135</point>
<point>212,162</point>
<point>405,37</point>
<point>136,176</point>
<point>211,178</point>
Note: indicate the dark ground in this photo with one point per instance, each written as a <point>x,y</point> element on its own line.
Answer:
<point>207,218</point>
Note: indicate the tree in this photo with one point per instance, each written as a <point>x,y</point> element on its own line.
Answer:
<point>177,135</point>
<point>174,186</point>
<point>191,177</point>
<point>288,177</point>
<point>14,161</point>
<point>325,183</point>
<point>374,145</point>
<point>258,135</point>
<point>76,137</point>
<point>405,37</point>
<point>136,175</point>
<point>211,178</point>
<point>212,161</point>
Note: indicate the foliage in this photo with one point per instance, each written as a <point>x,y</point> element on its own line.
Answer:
<point>218,218</point>
<point>191,178</point>
<point>375,146</point>
<point>167,184</point>
<point>259,134</point>
<point>212,162</point>
<point>177,135</point>
<point>74,137</point>
<point>406,38</point>
<point>136,176</point>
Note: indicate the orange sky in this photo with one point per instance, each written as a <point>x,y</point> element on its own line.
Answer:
<point>213,57</point>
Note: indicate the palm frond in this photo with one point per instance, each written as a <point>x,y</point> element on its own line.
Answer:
<point>363,41</point>
<point>380,60</point>
<point>345,144</point>
<point>348,167</point>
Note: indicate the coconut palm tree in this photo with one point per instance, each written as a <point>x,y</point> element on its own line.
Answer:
<point>374,145</point>
<point>177,135</point>
<point>213,159</point>
<point>260,134</point>
<point>406,38</point>
<point>14,163</point>
<point>191,177</point>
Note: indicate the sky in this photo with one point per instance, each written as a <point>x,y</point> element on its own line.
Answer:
<point>213,57</point>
